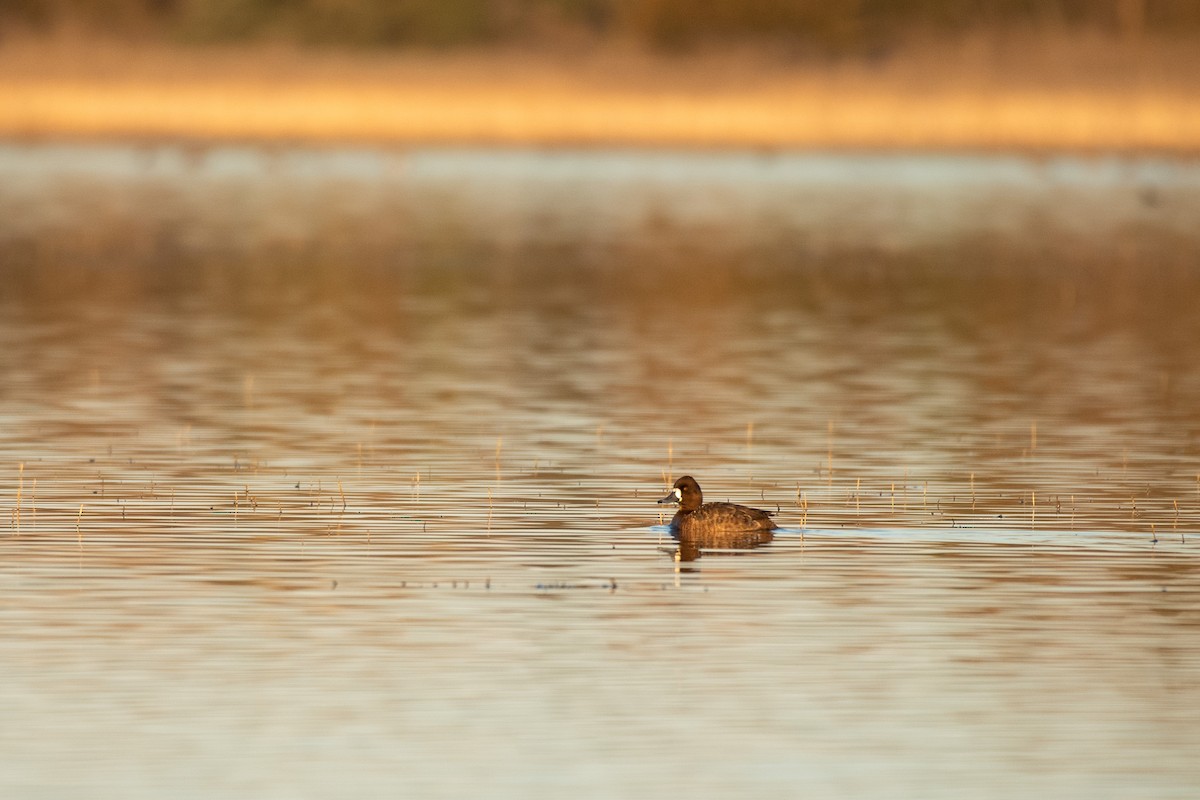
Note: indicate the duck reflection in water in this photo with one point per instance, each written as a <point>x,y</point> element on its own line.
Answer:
<point>714,526</point>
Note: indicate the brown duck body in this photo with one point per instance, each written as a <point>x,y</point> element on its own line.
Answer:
<point>715,519</point>
<point>727,524</point>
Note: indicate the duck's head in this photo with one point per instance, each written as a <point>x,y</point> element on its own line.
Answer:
<point>686,492</point>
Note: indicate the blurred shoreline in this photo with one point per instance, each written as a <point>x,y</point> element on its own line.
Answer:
<point>1027,92</point>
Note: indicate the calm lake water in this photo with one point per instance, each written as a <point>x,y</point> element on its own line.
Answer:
<point>332,474</point>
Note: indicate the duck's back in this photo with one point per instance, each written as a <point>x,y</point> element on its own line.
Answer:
<point>718,518</point>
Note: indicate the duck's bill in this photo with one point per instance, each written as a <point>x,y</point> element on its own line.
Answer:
<point>673,497</point>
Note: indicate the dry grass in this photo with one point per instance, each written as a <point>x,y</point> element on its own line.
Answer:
<point>1035,92</point>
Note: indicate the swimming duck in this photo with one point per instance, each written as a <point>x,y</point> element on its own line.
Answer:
<point>721,524</point>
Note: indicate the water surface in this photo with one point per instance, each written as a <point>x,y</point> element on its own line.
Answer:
<point>332,473</point>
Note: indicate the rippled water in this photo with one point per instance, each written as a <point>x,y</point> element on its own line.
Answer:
<point>332,474</point>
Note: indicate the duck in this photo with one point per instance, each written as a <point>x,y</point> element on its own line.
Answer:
<point>716,524</point>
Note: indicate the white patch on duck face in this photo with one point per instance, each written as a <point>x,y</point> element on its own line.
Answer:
<point>678,494</point>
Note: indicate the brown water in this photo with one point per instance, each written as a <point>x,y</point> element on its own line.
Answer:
<point>331,474</point>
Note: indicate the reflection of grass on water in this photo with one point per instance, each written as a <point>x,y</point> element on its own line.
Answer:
<point>270,512</point>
